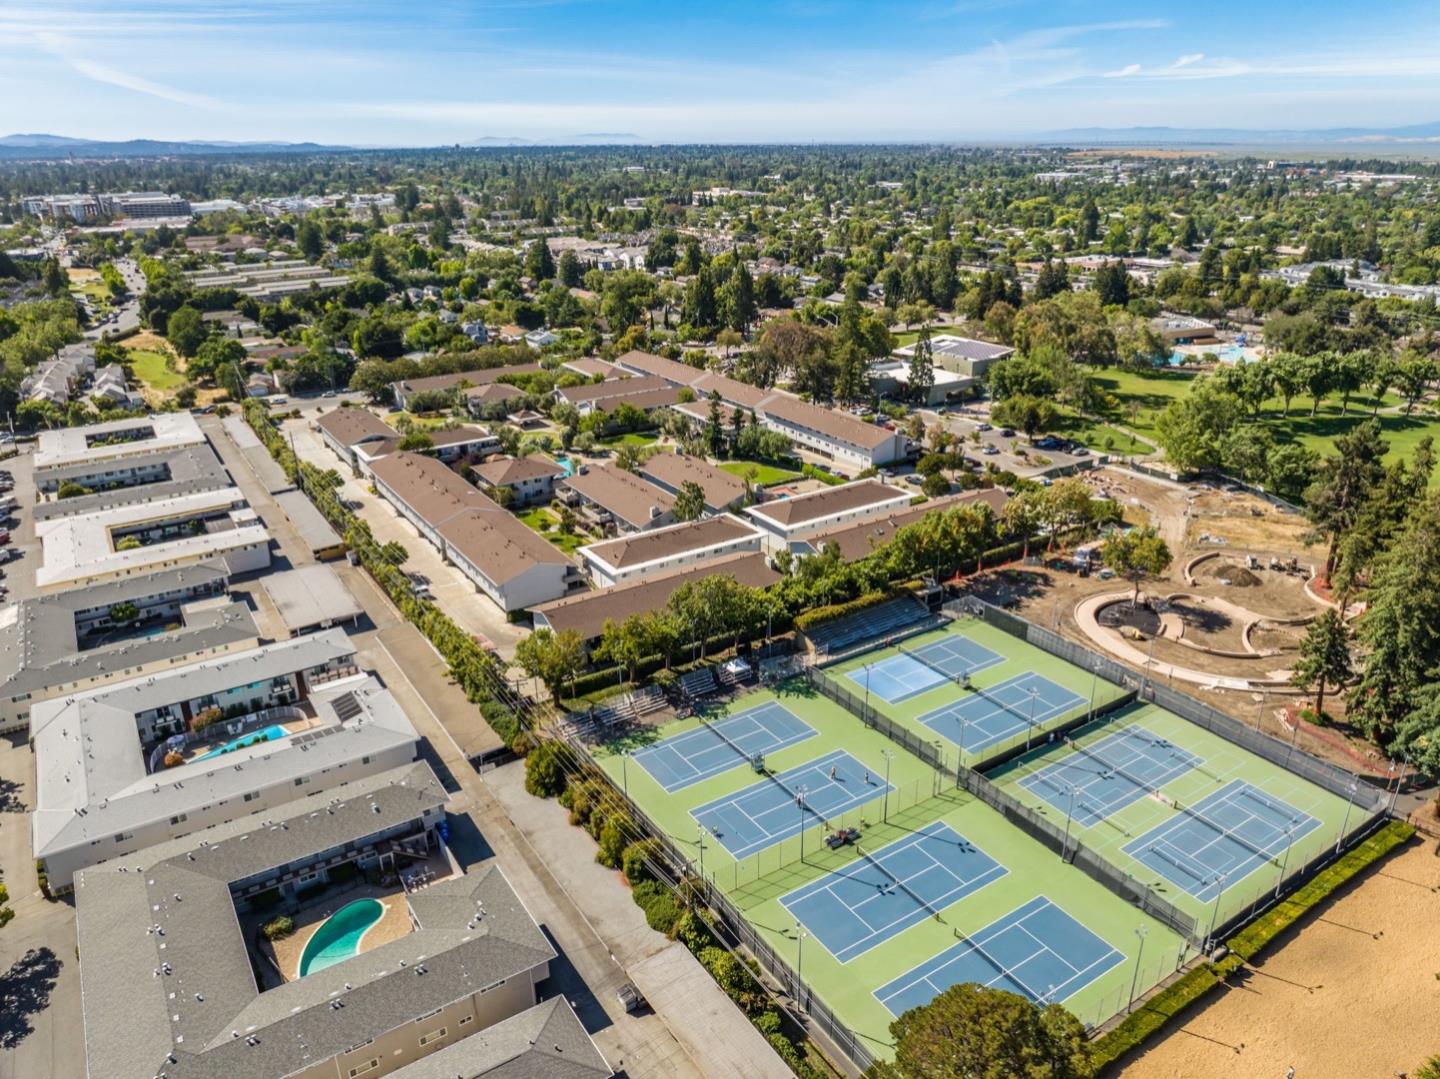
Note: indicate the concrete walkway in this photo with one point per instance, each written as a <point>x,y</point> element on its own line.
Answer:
<point>713,1031</point>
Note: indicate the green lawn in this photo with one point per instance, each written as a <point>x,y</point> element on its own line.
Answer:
<point>1095,435</point>
<point>153,368</point>
<point>1142,396</point>
<point>765,475</point>
<point>634,438</point>
<point>535,516</point>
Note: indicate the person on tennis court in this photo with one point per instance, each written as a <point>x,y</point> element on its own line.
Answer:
<point>832,773</point>
<point>866,780</point>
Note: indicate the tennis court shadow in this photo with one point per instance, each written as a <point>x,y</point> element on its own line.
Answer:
<point>635,738</point>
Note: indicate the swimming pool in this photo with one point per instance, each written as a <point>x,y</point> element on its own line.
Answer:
<point>269,734</point>
<point>339,935</point>
<point>567,464</point>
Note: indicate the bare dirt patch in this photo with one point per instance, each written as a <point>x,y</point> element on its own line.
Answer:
<point>1356,992</point>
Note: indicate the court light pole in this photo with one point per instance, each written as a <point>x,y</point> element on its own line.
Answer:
<point>700,828</point>
<point>800,936</point>
<point>885,808</point>
<point>1140,931</point>
<point>625,772</point>
<point>1030,726</point>
<point>800,801</point>
<point>1069,812</point>
<point>1285,863</point>
<point>1215,910</point>
<point>1094,682</point>
<point>867,687</point>
<point>1354,789</point>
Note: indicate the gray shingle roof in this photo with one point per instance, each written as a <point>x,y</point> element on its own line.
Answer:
<point>544,1042</point>
<point>171,904</point>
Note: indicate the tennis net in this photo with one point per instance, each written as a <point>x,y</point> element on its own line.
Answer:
<point>1109,765</point>
<point>911,892</point>
<point>918,658</point>
<point>1253,848</point>
<point>714,728</point>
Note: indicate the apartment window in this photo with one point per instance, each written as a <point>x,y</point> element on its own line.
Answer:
<point>179,818</point>
<point>433,1036</point>
<point>369,1066</point>
<point>466,1019</point>
<point>252,796</point>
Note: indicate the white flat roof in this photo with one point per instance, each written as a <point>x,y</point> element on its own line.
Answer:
<point>80,548</point>
<point>78,445</point>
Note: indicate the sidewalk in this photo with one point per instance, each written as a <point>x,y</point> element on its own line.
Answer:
<point>717,1036</point>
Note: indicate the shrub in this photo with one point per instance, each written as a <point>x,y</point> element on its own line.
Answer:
<point>205,718</point>
<point>174,759</point>
<point>662,912</point>
<point>547,768</point>
<point>634,862</point>
<point>613,836</point>
<point>816,615</point>
<point>278,928</point>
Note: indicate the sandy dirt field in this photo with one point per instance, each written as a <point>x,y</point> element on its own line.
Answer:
<point>1354,994</point>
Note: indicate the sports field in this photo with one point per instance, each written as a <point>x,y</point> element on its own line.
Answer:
<point>933,889</point>
<point>974,686</point>
<point>1194,816</point>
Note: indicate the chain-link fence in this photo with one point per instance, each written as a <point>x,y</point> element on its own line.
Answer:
<point>682,866</point>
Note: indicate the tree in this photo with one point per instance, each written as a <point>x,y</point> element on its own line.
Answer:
<point>569,270</point>
<point>6,911</point>
<point>309,239</point>
<point>395,553</point>
<point>922,368</point>
<point>185,330</point>
<point>417,440</point>
<point>1324,656</point>
<point>1136,555</point>
<point>737,299</point>
<point>714,429</point>
<point>1053,279</point>
<point>974,1032</point>
<point>689,502</point>
<point>1344,481</point>
<point>700,308</point>
<point>552,657</point>
<point>539,263</point>
<point>213,354</point>
<point>1192,429</point>
<point>1030,414</point>
<point>124,613</point>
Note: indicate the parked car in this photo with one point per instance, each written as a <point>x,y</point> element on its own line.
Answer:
<point>990,451</point>
<point>915,479</point>
<point>1007,432</point>
<point>985,427</point>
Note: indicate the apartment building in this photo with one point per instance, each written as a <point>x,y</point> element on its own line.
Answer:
<point>689,546</point>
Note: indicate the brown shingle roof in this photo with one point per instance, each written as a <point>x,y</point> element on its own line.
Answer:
<point>586,614</point>
<point>503,471</point>
<point>674,469</point>
<point>498,544</point>
<point>482,377</point>
<point>349,426</point>
<point>623,493</point>
<point>671,541</point>
<point>620,387</point>
<point>849,496</point>
<point>827,421</point>
<point>858,540</point>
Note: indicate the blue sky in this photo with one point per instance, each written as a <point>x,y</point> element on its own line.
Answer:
<point>427,72</point>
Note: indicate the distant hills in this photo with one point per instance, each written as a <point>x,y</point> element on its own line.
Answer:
<point>14,147</point>
<point>1421,134</point>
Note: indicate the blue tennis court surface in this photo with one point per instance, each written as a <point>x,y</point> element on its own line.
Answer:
<point>1219,840</point>
<point>913,671</point>
<point>683,760</point>
<point>769,811</point>
<point>853,909</point>
<point>1037,951</point>
<point>1110,774</point>
<point>982,717</point>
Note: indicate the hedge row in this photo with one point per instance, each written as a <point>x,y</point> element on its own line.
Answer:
<point>474,669</point>
<point>1140,1025</point>
<point>816,615</point>
<point>597,806</point>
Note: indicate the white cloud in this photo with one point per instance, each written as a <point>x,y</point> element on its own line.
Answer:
<point>1123,73</point>
<point>111,76</point>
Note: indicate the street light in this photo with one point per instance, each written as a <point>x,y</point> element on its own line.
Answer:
<point>1140,931</point>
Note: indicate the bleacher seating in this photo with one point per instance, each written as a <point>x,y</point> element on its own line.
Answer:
<point>698,683</point>
<point>888,617</point>
<point>647,700</point>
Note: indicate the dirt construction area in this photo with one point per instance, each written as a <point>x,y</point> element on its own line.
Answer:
<point>1355,995</point>
<point>1233,604</point>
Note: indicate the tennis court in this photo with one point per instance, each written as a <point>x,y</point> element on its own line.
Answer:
<point>1104,777</point>
<point>982,717</point>
<point>683,760</point>
<point>771,810</point>
<point>913,671</point>
<point>1218,841</point>
<point>1037,951</point>
<point>887,891</point>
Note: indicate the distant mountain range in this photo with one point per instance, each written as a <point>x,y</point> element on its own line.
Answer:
<point>53,146</point>
<point>1239,136</point>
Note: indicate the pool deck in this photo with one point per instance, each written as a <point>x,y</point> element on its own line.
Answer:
<point>393,924</point>
<point>293,726</point>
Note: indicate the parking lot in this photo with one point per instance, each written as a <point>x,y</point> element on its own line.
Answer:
<point>1011,452</point>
